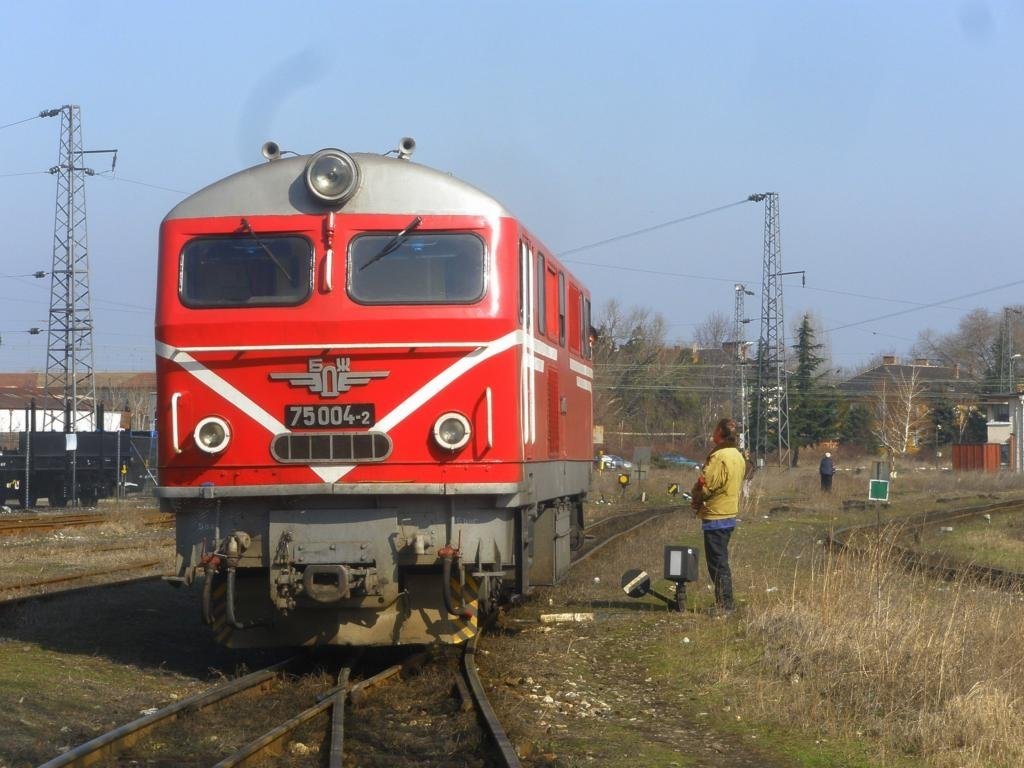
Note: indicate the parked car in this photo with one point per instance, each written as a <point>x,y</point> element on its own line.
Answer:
<point>678,460</point>
<point>611,461</point>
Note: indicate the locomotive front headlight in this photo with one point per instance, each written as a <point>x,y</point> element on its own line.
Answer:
<point>332,175</point>
<point>212,434</point>
<point>451,431</point>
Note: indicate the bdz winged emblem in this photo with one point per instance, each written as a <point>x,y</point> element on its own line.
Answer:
<point>329,380</point>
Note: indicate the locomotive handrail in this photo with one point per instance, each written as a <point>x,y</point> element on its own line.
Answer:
<point>329,255</point>
<point>174,422</point>
<point>490,419</point>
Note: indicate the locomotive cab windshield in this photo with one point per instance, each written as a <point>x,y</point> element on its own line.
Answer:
<point>246,271</point>
<point>423,268</point>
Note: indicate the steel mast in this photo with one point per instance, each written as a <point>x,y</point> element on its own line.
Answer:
<point>739,383</point>
<point>69,345</point>
<point>772,411</point>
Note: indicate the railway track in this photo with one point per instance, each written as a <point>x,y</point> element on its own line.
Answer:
<point>446,695</point>
<point>11,594</point>
<point>336,720</point>
<point>944,566</point>
<point>614,526</point>
<point>23,524</point>
<point>28,524</point>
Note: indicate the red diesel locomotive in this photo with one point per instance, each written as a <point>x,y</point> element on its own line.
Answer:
<point>374,399</point>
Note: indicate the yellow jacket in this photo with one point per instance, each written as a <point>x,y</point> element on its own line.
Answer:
<point>723,479</point>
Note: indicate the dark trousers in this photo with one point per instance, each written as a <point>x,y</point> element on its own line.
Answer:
<point>716,550</point>
<point>826,483</point>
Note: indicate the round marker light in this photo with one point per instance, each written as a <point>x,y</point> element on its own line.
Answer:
<point>451,431</point>
<point>332,175</point>
<point>212,434</point>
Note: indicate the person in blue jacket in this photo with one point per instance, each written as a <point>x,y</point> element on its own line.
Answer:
<point>826,469</point>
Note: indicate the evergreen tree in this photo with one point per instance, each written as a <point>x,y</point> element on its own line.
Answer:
<point>854,427</point>
<point>813,406</point>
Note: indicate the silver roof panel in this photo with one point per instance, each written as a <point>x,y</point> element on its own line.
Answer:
<point>386,185</point>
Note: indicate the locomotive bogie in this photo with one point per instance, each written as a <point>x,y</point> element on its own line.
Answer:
<point>377,555</point>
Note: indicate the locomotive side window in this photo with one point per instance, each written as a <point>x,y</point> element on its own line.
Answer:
<point>542,313</point>
<point>252,271</point>
<point>551,301</point>
<point>524,299</point>
<point>588,339</point>
<point>423,268</point>
<point>575,318</point>
<point>561,308</point>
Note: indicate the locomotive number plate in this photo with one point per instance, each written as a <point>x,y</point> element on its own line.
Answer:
<point>320,416</point>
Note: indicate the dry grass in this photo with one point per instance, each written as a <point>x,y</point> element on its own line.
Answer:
<point>857,646</point>
<point>854,650</point>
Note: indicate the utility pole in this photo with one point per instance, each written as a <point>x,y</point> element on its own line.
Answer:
<point>772,404</point>
<point>739,383</point>
<point>1006,382</point>
<point>69,348</point>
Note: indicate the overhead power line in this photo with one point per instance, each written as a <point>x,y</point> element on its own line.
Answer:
<point>19,122</point>
<point>929,305</point>
<point>23,173</point>
<point>142,183</point>
<point>654,227</point>
<point>712,278</point>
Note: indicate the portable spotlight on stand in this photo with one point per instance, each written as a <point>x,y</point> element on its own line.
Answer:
<point>680,567</point>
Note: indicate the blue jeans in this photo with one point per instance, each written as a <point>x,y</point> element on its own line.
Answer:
<point>716,550</point>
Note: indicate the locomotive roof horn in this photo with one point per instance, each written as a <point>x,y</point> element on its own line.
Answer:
<point>271,150</point>
<point>406,147</point>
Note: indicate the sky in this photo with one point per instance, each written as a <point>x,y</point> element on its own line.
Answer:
<point>892,132</point>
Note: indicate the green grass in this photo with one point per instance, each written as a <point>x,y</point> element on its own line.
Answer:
<point>999,543</point>
<point>69,698</point>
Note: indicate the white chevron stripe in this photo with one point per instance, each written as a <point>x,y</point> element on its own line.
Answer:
<point>389,422</point>
<point>238,399</point>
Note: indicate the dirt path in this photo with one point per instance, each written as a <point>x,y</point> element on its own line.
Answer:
<point>613,693</point>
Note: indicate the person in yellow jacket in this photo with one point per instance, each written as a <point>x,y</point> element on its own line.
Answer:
<point>716,500</point>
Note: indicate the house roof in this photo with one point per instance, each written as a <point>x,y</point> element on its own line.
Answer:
<point>936,379</point>
<point>17,390</point>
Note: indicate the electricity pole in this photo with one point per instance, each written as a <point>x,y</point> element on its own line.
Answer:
<point>69,348</point>
<point>772,403</point>
<point>1006,362</point>
<point>739,383</point>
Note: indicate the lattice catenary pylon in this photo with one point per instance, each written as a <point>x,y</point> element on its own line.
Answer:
<point>69,349</point>
<point>771,431</point>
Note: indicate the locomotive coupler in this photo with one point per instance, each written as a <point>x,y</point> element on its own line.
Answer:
<point>326,583</point>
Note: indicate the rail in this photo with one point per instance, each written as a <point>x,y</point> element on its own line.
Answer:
<point>943,566</point>
<point>25,524</point>
<point>9,589</point>
<point>494,727</point>
<point>112,742</point>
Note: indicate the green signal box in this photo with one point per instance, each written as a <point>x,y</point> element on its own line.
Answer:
<point>878,490</point>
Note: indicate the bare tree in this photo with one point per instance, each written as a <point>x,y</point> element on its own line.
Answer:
<point>632,367</point>
<point>136,405</point>
<point>713,331</point>
<point>970,345</point>
<point>900,415</point>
